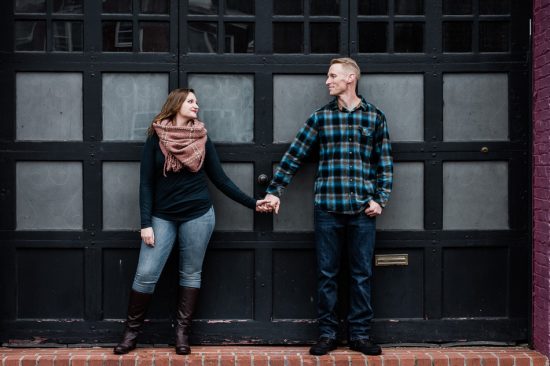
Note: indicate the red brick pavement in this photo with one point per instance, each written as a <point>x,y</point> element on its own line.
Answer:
<point>273,356</point>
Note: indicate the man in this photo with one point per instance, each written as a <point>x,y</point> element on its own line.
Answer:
<point>353,184</point>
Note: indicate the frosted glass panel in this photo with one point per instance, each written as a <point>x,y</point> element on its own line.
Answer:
<point>296,211</point>
<point>295,98</point>
<point>121,196</point>
<point>475,107</point>
<point>49,195</point>
<point>231,215</point>
<point>226,105</point>
<point>401,98</point>
<point>405,209</point>
<point>130,102</point>
<point>49,106</point>
<point>475,195</point>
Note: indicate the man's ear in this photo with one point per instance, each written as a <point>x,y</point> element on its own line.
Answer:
<point>351,78</point>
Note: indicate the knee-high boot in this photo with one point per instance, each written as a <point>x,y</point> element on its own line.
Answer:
<point>187,300</point>
<point>137,308</point>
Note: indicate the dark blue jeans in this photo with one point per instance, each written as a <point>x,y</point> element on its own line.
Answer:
<point>332,232</point>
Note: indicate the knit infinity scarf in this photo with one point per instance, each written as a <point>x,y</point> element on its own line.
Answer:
<point>181,146</point>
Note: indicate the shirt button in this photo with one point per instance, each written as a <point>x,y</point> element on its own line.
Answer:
<point>350,152</point>
<point>349,139</point>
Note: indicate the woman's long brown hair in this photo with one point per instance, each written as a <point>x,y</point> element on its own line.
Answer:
<point>171,107</point>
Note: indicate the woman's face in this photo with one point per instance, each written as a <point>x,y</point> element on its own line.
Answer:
<point>190,107</point>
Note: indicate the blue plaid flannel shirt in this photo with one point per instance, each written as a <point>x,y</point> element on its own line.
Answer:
<point>355,158</point>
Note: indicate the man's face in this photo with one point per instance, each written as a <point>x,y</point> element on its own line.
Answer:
<point>338,80</point>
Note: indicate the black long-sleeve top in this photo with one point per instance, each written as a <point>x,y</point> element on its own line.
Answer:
<point>181,196</point>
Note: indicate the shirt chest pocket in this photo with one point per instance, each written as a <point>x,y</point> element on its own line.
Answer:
<point>365,134</point>
<point>366,138</point>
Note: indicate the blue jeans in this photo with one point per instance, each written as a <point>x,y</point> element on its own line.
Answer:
<point>332,232</point>
<point>193,236</point>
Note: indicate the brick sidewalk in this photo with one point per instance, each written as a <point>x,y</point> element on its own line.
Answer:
<point>273,356</point>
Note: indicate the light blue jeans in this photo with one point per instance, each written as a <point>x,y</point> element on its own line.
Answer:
<point>193,236</point>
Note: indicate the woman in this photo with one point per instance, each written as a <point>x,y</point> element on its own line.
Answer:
<point>174,201</point>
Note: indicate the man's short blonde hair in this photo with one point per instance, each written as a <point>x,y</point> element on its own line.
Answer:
<point>349,64</point>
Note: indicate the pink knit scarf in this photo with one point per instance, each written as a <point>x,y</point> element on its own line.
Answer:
<point>182,146</point>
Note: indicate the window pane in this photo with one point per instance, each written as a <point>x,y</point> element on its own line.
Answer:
<point>494,6</point>
<point>227,105</point>
<point>49,195</point>
<point>121,196</point>
<point>467,204</point>
<point>117,6</point>
<point>373,37</point>
<point>155,6</point>
<point>409,37</point>
<point>203,7</point>
<point>130,101</point>
<point>154,36</point>
<point>296,213</point>
<point>485,97</point>
<point>30,35</point>
<point>288,7</point>
<point>239,38</point>
<point>457,37</point>
<point>202,37</point>
<point>405,211</point>
<point>288,38</point>
<point>289,112</point>
<point>117,36</point>
<point>373,7</point>
<point>324,7</point>
<point>67,6</point>
<point>325,37</point>
<point>494,36</point>
<point>457,7</point>
<point>30,6</point>
<point>56,100</point>
<point>401,97</point>
<point>67,36</point>
<point>239,7</point>
<point>409,7</point>
<point>229,214</point>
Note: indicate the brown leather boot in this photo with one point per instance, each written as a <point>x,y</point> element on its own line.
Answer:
<point>187,299</point>
<point>137,308</point>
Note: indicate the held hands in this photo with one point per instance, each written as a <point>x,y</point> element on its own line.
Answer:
<point>374,209</point>
<point>270,203</point>
<point>148,236</point>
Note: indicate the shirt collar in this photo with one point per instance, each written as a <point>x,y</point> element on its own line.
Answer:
<point>333,105</point>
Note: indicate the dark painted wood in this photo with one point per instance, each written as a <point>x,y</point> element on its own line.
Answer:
<point>258,286</point>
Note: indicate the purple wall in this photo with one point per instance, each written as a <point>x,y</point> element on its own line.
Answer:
<point>541,175</point>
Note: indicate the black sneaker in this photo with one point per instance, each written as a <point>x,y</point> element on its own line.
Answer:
<point>365,346</point>
<point>323,346</point>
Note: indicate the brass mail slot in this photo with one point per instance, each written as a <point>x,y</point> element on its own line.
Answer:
<point>391,260</point>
